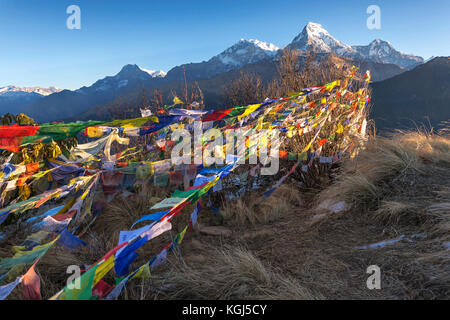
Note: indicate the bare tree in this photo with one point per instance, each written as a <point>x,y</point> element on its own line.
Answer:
<point>296,70</point>
<point>248,88</point>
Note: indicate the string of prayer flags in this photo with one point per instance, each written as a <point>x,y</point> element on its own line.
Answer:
<point>216,115</point>
<point>161,180</point>
<point>168,203</point>
<point>52,132</point>
<point>74,204</point>
<point>80,288</point>
<point>23,257</point>
<point>151,217</point>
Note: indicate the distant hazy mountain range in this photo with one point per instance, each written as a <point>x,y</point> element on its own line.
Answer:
<point>249,55</point>
<point>13,99</point>
<point>414,98</point>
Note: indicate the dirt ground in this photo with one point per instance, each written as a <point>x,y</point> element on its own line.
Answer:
<point>324,258</point>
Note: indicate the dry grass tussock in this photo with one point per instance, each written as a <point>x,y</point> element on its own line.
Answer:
<point>122,212</point>
<point>397,177</point>
<point>230,273</point>
<point>250,210</point>
<point>394,186</point>
<point>401,185</point>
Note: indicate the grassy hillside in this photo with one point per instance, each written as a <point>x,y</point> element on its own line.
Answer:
<point>397,189</point>
<point>389,206</point>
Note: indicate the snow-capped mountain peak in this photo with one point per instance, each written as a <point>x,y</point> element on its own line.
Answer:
<point>266,46</point>
<point>127,77</point>
<point>246,52</point>
<point>153,73</point>
<point>313,30</point>
<point>379,47</point>
<point>315,37</point>
<point>382,51</point>
<point>38,90</point>
<point>132,71</point>
<point>13,98</point>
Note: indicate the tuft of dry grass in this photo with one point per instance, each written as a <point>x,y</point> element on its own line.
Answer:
<point>391,212</point>
<point>238,213</point>
<point>440,212</point>
<point>121,212</point>
<point>249,211</point>
<point>232,273</point>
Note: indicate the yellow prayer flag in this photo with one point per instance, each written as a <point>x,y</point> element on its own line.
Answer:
<point>94,132</point>
<point>249,110</point>
<point>143,272</point>
<point>103,269</point>
<point>182,235</point>
<point>177,100</point>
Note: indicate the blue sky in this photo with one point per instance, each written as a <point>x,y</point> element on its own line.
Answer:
<point>38,49</point>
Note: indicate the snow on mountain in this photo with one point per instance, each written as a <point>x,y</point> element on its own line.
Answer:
<point>154,74</point>
<point>270,48</point>
<point>241,54</point>
<point>315,37</point>
<point>382,51</point>
<point>246,52</point>
<point>13,99</point>
<point>252,54</point>
<point>129,73</point>
<point>8,90</point>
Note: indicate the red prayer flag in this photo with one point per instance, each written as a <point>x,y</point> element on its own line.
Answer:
<point>31,285</point>
<point>17,131</point>
<point>101,289</point>
<point>216,115</point>
<point>321,142</point>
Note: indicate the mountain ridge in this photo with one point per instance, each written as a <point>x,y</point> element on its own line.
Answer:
<point>241,54</point>
<point>415,97</point>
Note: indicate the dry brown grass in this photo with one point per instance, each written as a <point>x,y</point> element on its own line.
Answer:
<point>231,273</point>
<point>250,211</point>
<point>395,186</point>
<point>398,185</point>
<point>389,167</point>
<point>390,212</point>
<point>52,268</point>
<point>121,213</point>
